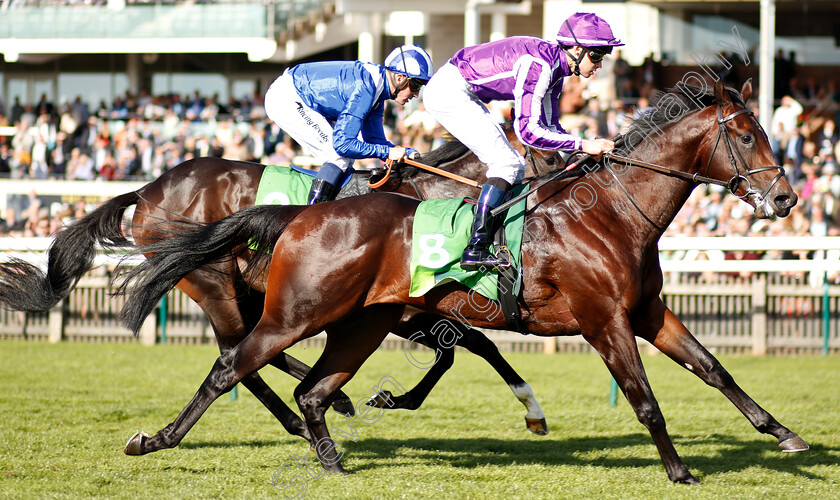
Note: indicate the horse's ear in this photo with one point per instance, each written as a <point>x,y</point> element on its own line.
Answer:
<point>746,90</point>
<point>721,95</point>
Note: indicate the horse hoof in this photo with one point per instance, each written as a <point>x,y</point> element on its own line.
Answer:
<point>792,445</point>
<point>537,425</point>
<point>689,479</point>
<point>338,469</point>
<point>134,446</point>
<point>383,399</point>
<point>344,406</point>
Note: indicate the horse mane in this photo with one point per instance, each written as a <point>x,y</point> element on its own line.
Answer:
<point>659,115</point>
<point>449,151</point>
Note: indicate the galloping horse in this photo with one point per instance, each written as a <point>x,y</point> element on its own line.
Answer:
<point>208,189</point>
<point>598,275</point>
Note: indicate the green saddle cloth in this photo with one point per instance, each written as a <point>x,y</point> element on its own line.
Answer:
<point>442,229</point>
<point>281,185</point>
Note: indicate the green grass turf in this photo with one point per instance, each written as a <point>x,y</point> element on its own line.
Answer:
<point>66,411</point>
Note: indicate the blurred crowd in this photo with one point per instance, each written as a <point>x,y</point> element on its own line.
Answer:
<point>138,137</point>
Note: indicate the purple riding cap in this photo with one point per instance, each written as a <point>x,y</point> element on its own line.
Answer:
<point>587,30</point>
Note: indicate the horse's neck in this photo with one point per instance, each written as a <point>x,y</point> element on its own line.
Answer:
<point>652,199</point>
<point>658,196</point>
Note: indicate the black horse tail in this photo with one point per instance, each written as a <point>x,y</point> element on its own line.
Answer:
<point>25,287</point>
<point>187,246</point>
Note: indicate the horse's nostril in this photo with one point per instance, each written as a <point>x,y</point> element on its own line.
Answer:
<point>784,201</point>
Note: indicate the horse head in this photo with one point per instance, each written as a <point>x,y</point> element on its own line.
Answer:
<point>742,153</point>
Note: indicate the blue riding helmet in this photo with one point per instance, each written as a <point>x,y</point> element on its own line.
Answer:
<point>411,61</point>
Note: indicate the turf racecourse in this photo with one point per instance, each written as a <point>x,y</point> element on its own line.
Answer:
<point>66,410</point>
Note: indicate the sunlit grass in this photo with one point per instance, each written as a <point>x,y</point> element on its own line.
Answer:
<point>66,411</point>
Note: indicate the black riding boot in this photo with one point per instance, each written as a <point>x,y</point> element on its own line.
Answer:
<point>477,254</point>
<point>321,191</point>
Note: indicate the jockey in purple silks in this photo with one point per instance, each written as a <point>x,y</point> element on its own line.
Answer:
<point>530,72</point>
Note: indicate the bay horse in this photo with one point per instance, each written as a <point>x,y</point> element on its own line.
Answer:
<point>208,189</point>
<point>594,271</point>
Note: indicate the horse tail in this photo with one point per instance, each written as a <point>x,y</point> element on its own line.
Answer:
<point>25,287</point>
<point>186,246</point>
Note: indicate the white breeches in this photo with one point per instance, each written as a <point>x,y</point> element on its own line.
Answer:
<point>305,125</point>
<point>450,99</point>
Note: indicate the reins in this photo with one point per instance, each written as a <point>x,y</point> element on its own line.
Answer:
<point>732,184</point>
<point>700,179</point>
<point>429,168</point>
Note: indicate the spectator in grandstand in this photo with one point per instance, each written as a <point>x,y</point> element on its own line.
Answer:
<point>325,105</point>
<point>819,220</point>
<point>5,159</point>
<point>80,166</point>
<point>530,72</point>
<point>623,74</point>
<point>11,223</point>
<point>283,154</point>
<point>16,112</point>
<point>38,166</point>
<point>785,120</point>
<point>826,139</point>
<point>417,128</point>
<point>808,183</point>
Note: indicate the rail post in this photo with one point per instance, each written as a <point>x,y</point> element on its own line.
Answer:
<point>826,315</point>
<point>163,314</point>
<point>759,315</point>
<point>56,323</point>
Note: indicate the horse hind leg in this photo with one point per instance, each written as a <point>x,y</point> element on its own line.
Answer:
<point>418,328</point>
<point>675,341</point>
<point>250,303</point>
<point>442,335</point>
<point>230,368</point>
<point>617,347</point>
<point>298,369</point>
<point>230,322</point>
<point>348,346</point>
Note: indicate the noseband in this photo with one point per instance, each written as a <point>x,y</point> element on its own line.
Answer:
<point>734,183</point>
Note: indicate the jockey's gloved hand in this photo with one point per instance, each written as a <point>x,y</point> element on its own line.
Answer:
<point>412,153</point>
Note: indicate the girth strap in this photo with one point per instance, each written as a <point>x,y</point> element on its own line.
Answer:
<point>509,285</point>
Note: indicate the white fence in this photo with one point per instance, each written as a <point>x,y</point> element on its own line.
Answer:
<point>769,305</point>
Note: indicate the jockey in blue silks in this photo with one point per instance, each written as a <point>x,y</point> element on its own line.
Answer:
<point>325,105</point>
<point>528,71</point>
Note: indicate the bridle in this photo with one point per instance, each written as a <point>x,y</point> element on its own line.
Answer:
<point>738,175</point>
<point>732,184</point>
<point>735,182</point>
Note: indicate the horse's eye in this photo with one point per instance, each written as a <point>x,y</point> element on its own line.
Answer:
<point>747,139</point>
<point>551,160</point>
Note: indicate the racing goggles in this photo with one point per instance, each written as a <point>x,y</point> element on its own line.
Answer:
<point>596,55</point>
<point>415,85</point>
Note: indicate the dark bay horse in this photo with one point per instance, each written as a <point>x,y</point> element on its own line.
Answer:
<point>208,189</point>
<point>594,271</point>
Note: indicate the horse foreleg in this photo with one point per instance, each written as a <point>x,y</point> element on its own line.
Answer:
<point>674,339</point>
<point>349,344</point>
<point>419,328</point>
<point>230,368</point>
<point>293,424</point>
<point>298,369</point>
<point>617,347</point>
<point>478,344</point>
<point>441,335</point>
